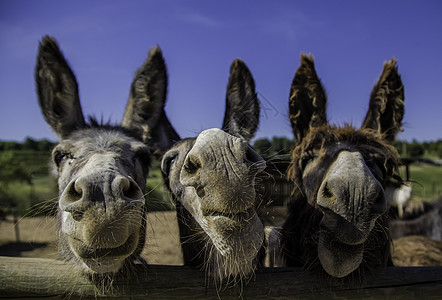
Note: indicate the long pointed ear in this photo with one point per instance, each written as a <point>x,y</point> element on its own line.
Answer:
<point>57,89</point>
<point>307,103</point>
<point>242,107</point>
<point>145,110</point>
<point>386,108</point>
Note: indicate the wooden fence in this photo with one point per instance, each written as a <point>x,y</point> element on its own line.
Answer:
<point>52,279</point>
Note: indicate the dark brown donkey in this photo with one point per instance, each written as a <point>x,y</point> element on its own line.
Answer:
<point>102,169</point>
<point>337,221</point>
<point>212,179</point>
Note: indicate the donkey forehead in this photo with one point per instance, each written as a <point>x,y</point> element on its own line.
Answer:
<point>102,139</point>
<point>336,138</point>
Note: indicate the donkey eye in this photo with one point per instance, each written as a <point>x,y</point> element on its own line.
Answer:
<point>58,157</point>
<point>307,158</point>
<point>168,160</point>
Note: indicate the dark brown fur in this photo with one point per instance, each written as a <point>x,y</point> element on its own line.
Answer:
<point>318,145</point>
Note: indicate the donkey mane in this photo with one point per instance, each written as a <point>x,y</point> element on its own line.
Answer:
<point>94,123</point>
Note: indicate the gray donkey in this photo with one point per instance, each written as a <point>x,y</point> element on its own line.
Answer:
<point>102,168</point>
<point>212,179</point>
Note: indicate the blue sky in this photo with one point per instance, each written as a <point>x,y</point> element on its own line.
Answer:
<point>106,41</point>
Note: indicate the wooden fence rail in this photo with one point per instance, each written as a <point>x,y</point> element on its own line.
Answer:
<point>52,279</point>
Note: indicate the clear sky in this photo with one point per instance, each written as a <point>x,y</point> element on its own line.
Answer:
<point>106,41</point>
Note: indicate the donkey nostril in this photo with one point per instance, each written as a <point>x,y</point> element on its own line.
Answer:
<point>192,165</point>
<point>131,190</point>
<point>326,193</point>
<point>75,192</point>
<point>128,188</point>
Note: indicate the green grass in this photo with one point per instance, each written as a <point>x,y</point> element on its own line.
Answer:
<point>157,196</point>
<point>38,199</point>
<point>427,181</point>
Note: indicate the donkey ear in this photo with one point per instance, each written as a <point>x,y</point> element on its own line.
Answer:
<point>145,110</point>
<point>242,107</point>
<point>386,108</point>
<point>57,89</point>
<point>307,103</point>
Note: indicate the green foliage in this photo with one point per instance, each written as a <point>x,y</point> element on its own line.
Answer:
<point>278,146</point>
<point>426,180</point>
<point>11,170</point>
<point>24,176</point>
<point>157,196</point>
<point>418,150</point>
<point>28,144</point>
<point>263,146</point>
<point>415,149</point>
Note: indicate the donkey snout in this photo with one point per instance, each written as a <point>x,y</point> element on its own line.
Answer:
<point>84,192</point>
<point>351,191</point>
<point>79,195</point>
<point>127,189</point>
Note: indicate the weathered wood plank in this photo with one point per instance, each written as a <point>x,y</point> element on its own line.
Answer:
<point>29,277</point>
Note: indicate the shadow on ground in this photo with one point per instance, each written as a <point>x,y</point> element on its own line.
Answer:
<point>16,249</point>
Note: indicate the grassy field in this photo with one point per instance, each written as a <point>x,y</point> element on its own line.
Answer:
<point>426,180</point>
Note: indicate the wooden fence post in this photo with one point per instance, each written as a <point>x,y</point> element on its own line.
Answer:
<point>30,277</point>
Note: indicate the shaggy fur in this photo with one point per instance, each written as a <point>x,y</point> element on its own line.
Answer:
<point>319,148</point>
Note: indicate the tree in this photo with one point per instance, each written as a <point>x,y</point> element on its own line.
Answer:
<point>11,169</point>
<point>439,150</point>
<point>282,145</point>
<point>415,149</point>
<point>263,147</point>
<point>30,144</point>
<point>278,146</point>
<point>45,145</point>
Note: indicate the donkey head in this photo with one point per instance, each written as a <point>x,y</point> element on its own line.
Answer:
<point>212,178</point>
<point>342,170</point>
<point>101,169</point>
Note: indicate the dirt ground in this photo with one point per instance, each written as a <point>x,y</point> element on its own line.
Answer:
<point>37,238</point>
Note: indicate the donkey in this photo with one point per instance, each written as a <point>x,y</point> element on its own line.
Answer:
<point>212,180</point>
<point>102,168</point>
<point>337,221</point>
